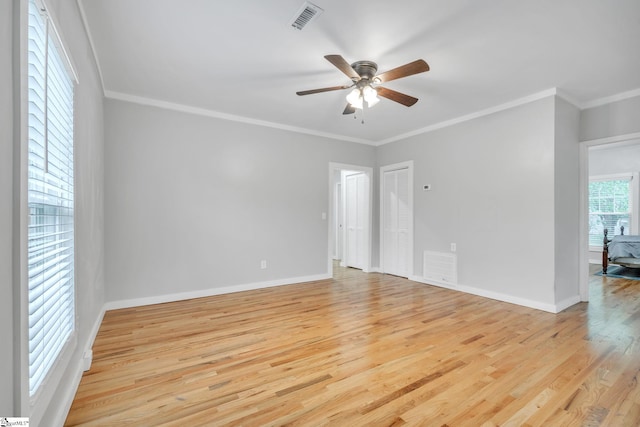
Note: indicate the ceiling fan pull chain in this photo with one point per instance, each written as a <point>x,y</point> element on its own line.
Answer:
<point>363,108</point>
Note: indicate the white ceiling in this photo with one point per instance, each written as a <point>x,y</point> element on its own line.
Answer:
<point>241,58</point>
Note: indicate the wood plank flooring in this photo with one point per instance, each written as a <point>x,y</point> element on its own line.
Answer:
<point>366,349</point>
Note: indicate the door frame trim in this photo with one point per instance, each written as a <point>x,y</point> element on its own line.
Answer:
<point>388,168</point>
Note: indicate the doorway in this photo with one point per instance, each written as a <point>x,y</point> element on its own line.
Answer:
<point>354,221</point>
<point>351,216</point>
<point>586,148</point>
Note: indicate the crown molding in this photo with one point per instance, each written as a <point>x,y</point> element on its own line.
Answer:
<point>506,106</point>
<point>570,99</point>
<point>241,119</point>
<point>610,99</point>
<point>225,116</point>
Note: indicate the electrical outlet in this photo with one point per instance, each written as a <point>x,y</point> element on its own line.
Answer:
<point>263,264</point>
<point>453,247</point>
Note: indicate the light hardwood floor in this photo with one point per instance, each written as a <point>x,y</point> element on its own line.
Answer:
<point>366,349</point>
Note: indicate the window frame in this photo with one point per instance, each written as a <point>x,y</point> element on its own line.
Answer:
<point>34,406</point>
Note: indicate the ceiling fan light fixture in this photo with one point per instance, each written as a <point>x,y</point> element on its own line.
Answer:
<point>360,94</point>
<point>370,95</point>
<point>373,102</point>
<point>355,98</point>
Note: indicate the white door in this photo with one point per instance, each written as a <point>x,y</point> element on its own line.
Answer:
<point>356,200</point>
<point>396,222</point>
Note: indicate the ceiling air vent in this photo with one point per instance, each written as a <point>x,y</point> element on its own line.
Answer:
<point>307,13</point>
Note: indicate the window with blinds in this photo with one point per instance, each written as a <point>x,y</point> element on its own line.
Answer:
<point>50,198</point>
<point>610,207</point>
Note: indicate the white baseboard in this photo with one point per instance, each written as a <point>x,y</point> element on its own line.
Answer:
<point>76,374</point>
<point>159,299</point>
<point>87,355</point>
<point>60,416</point>
<point>87,359</point>
<point>551,308</point>
<point>563,305</point>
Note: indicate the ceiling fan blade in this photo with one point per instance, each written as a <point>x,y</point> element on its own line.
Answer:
<point>415,67</point>
<point>349,109</point>
<point>341,64</point>
<point>324,89</point>
<point>396,96</point>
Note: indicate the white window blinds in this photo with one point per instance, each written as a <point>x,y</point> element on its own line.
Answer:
<point>50,198</point>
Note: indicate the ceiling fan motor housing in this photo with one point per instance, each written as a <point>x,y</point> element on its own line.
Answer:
<point>366,69</point>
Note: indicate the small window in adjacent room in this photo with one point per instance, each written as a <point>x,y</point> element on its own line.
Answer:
<point>611,202</point>
<point>50,197</point>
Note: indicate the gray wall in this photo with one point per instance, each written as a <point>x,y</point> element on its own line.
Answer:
<point>567,202</point>
<point>6,210</point>
<point>617,118</point>
<point>194,203</point>
<point>492,194</point>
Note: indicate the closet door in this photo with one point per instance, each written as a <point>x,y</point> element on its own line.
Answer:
<point>395,222</point>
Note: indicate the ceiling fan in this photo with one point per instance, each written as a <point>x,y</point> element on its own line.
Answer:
<point>365,82</point>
